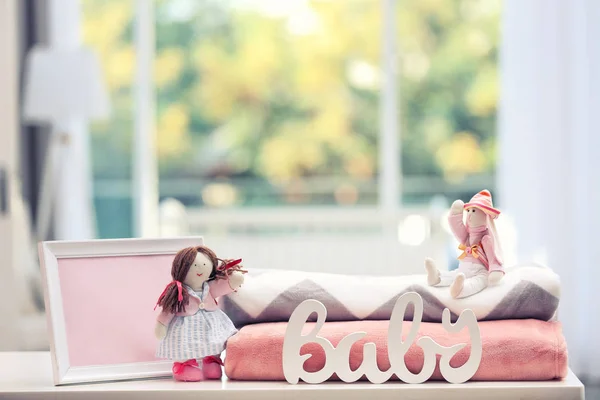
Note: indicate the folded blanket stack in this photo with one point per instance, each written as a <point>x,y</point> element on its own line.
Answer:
<point>521,341</point>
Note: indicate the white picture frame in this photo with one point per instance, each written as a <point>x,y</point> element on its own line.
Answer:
<point>50,253</point>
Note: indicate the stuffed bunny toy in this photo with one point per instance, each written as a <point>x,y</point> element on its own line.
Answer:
<point>480,263</point>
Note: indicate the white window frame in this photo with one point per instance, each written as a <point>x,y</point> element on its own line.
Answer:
<point>145,163</point>
<point>390,176</point>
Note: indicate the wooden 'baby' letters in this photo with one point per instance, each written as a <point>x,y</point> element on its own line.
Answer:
<point>337,358</point>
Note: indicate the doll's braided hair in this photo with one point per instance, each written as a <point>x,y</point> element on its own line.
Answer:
<point>174,298</point>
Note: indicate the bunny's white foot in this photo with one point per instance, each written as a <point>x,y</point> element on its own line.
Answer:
<point>433,274</point>
<point>458,285</point>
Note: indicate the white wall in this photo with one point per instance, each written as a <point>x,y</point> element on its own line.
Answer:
<point>8,162</point>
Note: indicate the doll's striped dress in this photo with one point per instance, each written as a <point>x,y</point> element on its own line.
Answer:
<point>196,336</point>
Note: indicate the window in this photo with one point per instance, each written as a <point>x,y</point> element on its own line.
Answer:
<point>280,104</point>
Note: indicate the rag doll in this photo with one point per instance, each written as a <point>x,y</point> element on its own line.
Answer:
<point>480,263</point>
<point>191,328</point>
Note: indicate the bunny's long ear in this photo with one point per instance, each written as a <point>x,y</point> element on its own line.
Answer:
<point>499,254</point>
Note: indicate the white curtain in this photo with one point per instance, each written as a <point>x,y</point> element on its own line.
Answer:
<point>549,160</point>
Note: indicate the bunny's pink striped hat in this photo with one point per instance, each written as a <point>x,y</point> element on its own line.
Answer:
<point>483,201</point>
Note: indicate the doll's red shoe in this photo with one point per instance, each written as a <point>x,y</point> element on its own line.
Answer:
<point>188,371</point>
<point>211,366</point>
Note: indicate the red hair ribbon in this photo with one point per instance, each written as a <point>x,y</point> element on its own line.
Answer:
<point>178,366</point>
<point>229,265</point>
<point>179,292</point>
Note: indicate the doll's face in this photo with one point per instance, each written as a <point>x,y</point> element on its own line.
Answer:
<point>199,272</point>
<point>475,217</point>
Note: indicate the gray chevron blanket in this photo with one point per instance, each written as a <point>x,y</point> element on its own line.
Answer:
<point>528,291</point>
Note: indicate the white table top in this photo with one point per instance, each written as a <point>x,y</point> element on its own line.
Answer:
<point>29,376</point>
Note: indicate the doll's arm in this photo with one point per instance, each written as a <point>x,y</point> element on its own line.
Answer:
<point>488,247</point>
<point>222,287</point>
<point>162,322</point>
<point>455,220</point>
<point>165,318</point>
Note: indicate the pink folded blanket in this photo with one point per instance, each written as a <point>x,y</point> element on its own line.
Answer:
<point>513,350</point>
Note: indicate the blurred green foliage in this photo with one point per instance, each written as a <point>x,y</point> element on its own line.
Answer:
<point>273,92</point>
